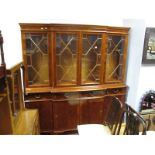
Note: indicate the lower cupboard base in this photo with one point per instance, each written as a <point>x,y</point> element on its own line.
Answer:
<point>59,114</point>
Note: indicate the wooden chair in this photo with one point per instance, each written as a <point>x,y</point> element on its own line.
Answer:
<point>134,124</point>
<point>120,120</point>
<point>111,123</point>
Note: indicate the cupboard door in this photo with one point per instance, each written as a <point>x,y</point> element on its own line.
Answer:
<point>66,59</point>
<point>115,59</point>
<point>37,59</point>
<point>91,111</point>
<point>91,58</point>
<point>45,114</point>
<point>65,115</point>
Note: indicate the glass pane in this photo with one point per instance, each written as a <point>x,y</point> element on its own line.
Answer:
<point>114,60</point>
<point>91,58</point>
<point>66,58</point>
<point>37,58</point>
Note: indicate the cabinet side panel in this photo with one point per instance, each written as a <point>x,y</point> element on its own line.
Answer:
<point>45,114</point>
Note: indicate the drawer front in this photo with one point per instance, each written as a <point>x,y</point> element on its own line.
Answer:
<point>38,97</point>
<point>112,91</point>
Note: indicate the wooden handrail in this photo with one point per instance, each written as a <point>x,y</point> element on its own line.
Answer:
<point>1,50</point>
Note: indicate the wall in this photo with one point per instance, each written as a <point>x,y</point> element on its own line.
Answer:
<point>135,48</point>
<point>146,75</point>
<point>140,77</point>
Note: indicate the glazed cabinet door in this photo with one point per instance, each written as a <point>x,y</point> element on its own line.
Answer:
<point>66,53</point>
<point>91,111</point>
<point>91,58</point>
<point>115,58</point>
<point>45,115</point>
<point>36,58</point>
<point>65,115</point>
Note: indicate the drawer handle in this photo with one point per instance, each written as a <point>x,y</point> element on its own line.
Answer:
<point>37,97</point>
<point>115,91</point>
<point>43,28</point>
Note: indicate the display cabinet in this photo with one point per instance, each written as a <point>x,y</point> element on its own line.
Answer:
<point>23,121</point>
<point>14,118</point>
<point>70,69</point>
<point>15,89</point>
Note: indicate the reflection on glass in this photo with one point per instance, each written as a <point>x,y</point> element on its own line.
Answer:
<point>151,47</point>
<point>66,58</point>
<point>91,58</point>
<point>37,58</point>
<point>114,58</point>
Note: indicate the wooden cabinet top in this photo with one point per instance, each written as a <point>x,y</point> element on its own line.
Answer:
<point>72,27</point>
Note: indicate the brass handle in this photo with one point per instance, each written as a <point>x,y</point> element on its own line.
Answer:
<point>115,91</point>
<point>43,28</point>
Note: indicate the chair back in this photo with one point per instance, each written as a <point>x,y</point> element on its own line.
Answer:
<point>114,114</point>
<point>134,123</point>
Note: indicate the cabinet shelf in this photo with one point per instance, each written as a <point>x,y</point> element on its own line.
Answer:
<point>73,89</point>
